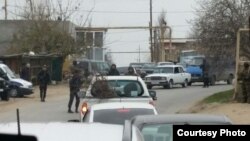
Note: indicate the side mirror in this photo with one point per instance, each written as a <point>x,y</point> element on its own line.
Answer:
<point>153,94</point>
<point>81,94</point>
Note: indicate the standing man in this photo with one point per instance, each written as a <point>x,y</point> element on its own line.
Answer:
<point>43,80</point>
<point>205,70</point>
<point>113,70</point>
<point>75,85</point>
<point>131,71</point>
<point>25,72</point>
<point>244,77</point>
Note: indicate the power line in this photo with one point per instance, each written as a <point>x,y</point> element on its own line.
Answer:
<point>125,12</point>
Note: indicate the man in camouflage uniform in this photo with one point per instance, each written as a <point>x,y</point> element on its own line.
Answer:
<point>244,77</point>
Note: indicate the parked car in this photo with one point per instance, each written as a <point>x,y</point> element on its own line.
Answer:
<point>58,131</point>
<point>17,86</point>
<point>147,69</point>
<point>167,76</point>
<point>103,89</point>
<point>4,95</point>
<point>115,112</point>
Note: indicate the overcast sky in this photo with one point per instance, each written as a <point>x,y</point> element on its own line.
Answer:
<point>128,13</point>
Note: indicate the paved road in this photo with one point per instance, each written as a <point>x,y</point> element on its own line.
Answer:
<point>55,108</point>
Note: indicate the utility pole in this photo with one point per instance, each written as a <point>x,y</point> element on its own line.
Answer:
<point>150,32</point>
<point>5,9</point>
<point>139,54</point>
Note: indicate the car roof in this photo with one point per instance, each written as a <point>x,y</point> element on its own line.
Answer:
<point>116,105</point>
<point>2,65</point>
<point>120,77</point>
<point>181,119</point>
<point>67,131</point>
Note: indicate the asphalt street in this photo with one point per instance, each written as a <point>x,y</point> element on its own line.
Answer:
<point>55,107</point>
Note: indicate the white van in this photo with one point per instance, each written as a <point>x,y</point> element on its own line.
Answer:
<point>17,86</point>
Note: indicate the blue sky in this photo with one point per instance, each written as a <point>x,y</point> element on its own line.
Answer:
<point>128,13</point>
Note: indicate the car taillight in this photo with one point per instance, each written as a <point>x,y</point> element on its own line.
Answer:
<point>152,103</point>
<point>123,110</point>
<point>84,108</point>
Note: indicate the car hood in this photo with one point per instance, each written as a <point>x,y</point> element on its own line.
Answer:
<point>23,82</point>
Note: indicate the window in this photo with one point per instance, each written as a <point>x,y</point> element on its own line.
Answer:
<point>163,70</point>
<point>80,37</point>
<point>89,38</point>
<point>117,88</point>
<point>99,39</point>
<point>158,132</point>
<point>118,116</point>
<point>181,70</point>
<point>176,70</point>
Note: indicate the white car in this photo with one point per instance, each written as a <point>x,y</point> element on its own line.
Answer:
<point>116,112</point>
<point>105,89</point>
<point>167,76</point>
<point>56,131</point>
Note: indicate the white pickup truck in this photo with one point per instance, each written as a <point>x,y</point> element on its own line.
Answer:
<point>167,76</point>
<point>108,89</point>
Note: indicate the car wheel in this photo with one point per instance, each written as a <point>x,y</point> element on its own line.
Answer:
<point>171,83</point>
<point>13,92</point>
<point>149,86</point>
<point>230,79</point>
<point>185,83</point>
<point>189,83</point>
<point>165,86</point>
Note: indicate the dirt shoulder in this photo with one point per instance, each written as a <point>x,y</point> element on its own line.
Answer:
<point>239,113</point>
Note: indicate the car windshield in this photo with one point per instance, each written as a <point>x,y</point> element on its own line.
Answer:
<point>122,70</point>
<point>164,70</point>
<point>161,132</point>
<point>166,63</point>
<point>116,88</point>
<point>9,72</point>
<point>148,66</point>
<point>118,116</point>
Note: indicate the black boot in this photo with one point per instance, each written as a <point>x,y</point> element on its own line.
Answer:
<point>76,110</point>
<point>69,111</point>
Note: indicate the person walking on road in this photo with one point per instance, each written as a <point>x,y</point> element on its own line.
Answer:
<point>244,77</point>
<point>113,70</point>
<point>75,85</point>
<point>43,80</point>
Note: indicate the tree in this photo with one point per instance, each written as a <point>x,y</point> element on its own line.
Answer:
<point>46,29</point>
<point>216,26</point>
<point>159,35</point>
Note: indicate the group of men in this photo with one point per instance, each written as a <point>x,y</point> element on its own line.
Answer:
<point>76,82</point>
<point>114,71</point>
<point>43,78</point>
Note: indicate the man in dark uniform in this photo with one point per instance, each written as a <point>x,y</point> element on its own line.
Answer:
<point>205,70</point>
<point>43,78</point>
<point>131,71</point>
<point>244,77</point>
<point>75,85</point>
<point>113,70</point>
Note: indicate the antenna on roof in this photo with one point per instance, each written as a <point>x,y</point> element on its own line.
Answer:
<point>18,122</point>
